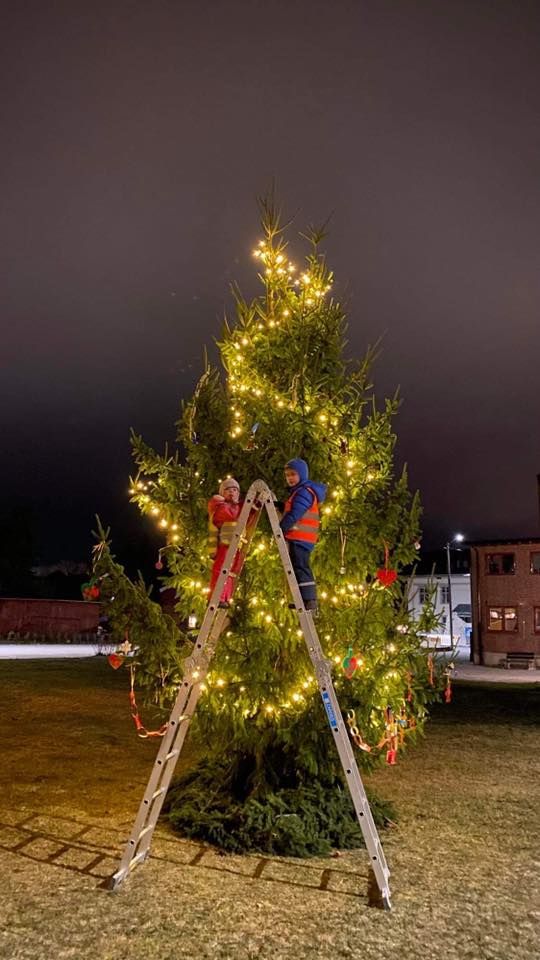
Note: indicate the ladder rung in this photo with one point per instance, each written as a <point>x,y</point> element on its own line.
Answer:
<point>137,859</point>
<point>143,832</point>
<point>157,793</point>
<point>170,755</point>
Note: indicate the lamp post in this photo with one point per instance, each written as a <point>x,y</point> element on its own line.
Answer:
<point>457,539</point>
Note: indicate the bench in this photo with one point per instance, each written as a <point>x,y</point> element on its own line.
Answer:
<point>519,661</point>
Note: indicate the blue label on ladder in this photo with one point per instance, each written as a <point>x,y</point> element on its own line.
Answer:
<point>329,710</point>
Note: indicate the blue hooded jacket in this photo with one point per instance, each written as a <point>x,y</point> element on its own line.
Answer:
<point>303,499</point>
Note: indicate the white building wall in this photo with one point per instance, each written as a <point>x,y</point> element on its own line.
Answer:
<point>461,594</point>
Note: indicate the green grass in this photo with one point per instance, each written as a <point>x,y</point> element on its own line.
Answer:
<point>464,880</point>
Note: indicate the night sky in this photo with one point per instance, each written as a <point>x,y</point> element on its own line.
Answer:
<point>135,139</point>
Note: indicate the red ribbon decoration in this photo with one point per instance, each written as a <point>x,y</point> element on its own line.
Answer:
<point>142,732</point>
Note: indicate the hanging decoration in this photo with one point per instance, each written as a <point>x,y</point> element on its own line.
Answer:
<point>252,445</point>
<point>117,658</point>
<point>390,737</point>
<point>448,688</point>
<point>350,663</point>
<point>142,732</point>
<point>90,590</point>
<point>343,542</point>
<point>431,670</point>
<point>159,562</point>
<point>409,687</point>
<point>386,575</point>
<point>356,736</point>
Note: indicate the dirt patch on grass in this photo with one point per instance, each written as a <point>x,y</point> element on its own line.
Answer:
<point>464,878</point>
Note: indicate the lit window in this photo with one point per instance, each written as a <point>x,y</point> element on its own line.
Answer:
<point>535,562</point>
<point>500,564</point>
<point>537,619</point>
<point>502,619</point>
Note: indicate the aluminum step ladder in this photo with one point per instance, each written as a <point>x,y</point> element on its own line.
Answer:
<point>259,497</point>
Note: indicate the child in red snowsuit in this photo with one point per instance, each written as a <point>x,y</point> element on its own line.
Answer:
<point>223,512</point>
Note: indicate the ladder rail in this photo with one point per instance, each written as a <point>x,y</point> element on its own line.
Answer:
<point>167,755</point>
<point>335,719</point>
<point>195,669</point>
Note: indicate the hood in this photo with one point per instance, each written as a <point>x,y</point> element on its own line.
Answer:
<point>301,468</point>
<point>319,490</point>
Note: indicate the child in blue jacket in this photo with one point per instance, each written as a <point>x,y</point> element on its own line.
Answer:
<point>300,524</point>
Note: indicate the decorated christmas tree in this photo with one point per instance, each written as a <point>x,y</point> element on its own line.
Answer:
<point>268,776</point>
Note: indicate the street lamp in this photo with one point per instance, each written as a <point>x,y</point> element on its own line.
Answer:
<point>458,538</point>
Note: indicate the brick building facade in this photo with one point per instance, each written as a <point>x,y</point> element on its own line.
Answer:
<point>46,618</point>
<point>505,587</point>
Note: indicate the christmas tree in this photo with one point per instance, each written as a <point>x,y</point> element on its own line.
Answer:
<point>268,776</point>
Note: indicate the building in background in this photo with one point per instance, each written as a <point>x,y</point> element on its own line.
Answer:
<point>423,585</point>
<point>23,618</point>
<point>505,583</point>
<point>430,577</point>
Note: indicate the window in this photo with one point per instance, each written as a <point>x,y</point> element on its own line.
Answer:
<point>537,619</point>
<point>423,594</point>
<point>445,594</point>
<point>498,564</point>
<point>535,562</point>
<point>503,619</point>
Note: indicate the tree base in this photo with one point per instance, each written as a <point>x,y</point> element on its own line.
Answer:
<point>302,821</point>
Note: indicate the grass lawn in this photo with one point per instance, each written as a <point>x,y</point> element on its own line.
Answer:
<point>72,772</point>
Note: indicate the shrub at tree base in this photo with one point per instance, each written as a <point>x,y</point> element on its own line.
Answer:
<point>211,805</point>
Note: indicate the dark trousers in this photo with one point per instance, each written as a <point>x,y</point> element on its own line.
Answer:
<point>300,563</point>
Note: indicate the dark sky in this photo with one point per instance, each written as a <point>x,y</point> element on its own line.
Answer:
<point>135,138</point>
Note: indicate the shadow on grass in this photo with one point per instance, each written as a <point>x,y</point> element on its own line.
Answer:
<point>490,703</point>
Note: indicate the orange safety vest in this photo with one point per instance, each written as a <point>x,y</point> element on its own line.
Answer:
<point>306,529</point>
<point>218,536</point>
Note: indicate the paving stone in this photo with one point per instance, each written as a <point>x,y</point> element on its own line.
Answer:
<point>74,857</point>
<point>10,836</point>
<point>56,827</point>
<point>41,849</point>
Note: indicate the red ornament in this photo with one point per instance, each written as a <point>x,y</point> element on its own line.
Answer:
<point>350,664</point>
<point>115,661</point>
<point>386,577</point>
<point>158,565</point>
<point>90,591</point>
<point>391,757</point>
